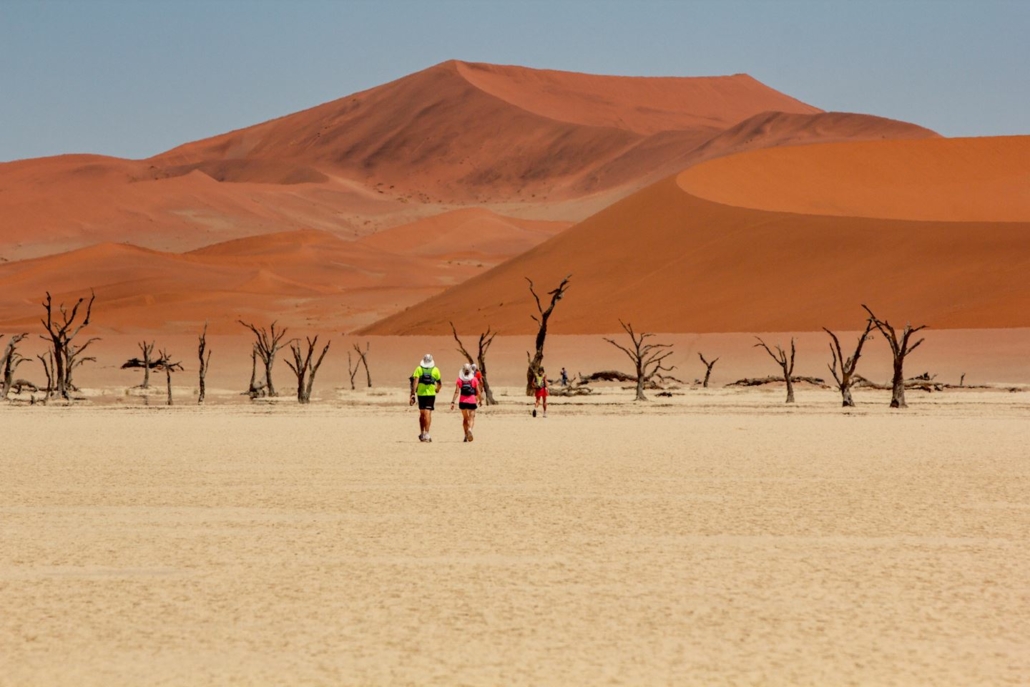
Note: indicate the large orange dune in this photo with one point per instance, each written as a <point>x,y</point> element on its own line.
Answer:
<point>667,259</point>
<point>305,278</point>
<point>521,142</point>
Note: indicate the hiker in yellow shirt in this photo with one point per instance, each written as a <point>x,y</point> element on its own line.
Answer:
<point>425,383</point>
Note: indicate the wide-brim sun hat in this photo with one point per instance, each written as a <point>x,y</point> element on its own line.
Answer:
<point>427,361</point>
<point>465,374</point>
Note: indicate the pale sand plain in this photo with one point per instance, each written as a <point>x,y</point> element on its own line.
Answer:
<point>716,537</point>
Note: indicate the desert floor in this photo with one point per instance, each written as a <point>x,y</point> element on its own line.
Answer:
<point>713,538</point>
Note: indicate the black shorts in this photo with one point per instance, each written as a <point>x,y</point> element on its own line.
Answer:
<point>427,402</point>
<point>467,406</point>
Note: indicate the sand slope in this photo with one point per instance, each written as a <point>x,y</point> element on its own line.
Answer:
<point>304,277</point>
<point>668,260</point>
<point>527,143</point>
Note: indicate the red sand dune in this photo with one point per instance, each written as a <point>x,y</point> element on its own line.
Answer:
<point>668,260</point>
<point>303,278</point>
<point>957,180</point>
<point>475,233</point>
<point>529,143</point>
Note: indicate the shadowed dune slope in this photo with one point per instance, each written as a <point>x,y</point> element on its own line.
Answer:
<point>667,260</point>
<point>304,278</point>
<point>472,232</point>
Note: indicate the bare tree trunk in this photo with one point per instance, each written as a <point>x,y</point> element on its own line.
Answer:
<point>267,344</point>
<point>787,365</point>
<point>845,379</point>
<point>647,358</point>
<point>75,359</point>
<point>169,367</point>
<point>485,340</point>
<point>48,370</point>
<point>205,360</point>
<point>708,369</point>
<point>60,335</point>
<point>252,389</point>
<point>900,348</point>
<point>147,349</point>
<point>304,368</point>
<point>536,361</point>
<point>10,362</point>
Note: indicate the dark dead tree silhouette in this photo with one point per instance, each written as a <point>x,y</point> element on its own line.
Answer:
<point>205,362</point>
<point>843,369</point>
<point>74,359</point>
<point>169,367</point>
<point>147,349</point>
<point>787,365</point>
<point>304,367</point>
<point>647,358</point>
<point>536,361</point>
<point>255,389</point>
<point>47,360</point>
<point>900,349</point>
<point>708,368</point>
<point>9,363</point>
<point>485,340</point>
<point>61,329</point>
<point>353,366</point>
<point>266,346</point>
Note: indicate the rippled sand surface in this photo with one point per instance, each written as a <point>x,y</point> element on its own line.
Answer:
<point>715,538</point>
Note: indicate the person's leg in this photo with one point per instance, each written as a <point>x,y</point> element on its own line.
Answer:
<point>545,404</point>
<point>429,420</point>
<point>472,419</point>
<point>465,422</point>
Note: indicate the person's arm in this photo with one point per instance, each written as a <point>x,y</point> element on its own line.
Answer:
<point>412,380</point>
<point>454,398</point>
<point>479,394</point>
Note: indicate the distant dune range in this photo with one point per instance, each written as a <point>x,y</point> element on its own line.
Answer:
<point>936,231</point>
<point>444,173</point>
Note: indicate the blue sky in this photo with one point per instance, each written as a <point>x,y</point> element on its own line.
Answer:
<point>132,78</point>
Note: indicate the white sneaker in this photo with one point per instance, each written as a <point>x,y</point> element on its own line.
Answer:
<point>428,438</point>
<point>545,413</point>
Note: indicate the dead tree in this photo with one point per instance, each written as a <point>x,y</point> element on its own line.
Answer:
<point>485,340</point>
<point>10,362</point>
<point>647,358</point>
<point>147,349</point>
<point>708,369</point>
<point>786,365</point>
<point>254,390</point>
<point>60,334</point>
<point>48,369</point>
<point>74,359</point>
<point>205,361</point>
<point>900,348</point>
<point>169,367</point>
<point>845,378</point>
<point>536,361</point>
<point>304,368</point>
<point>267,344</point>
<point>362,360</point>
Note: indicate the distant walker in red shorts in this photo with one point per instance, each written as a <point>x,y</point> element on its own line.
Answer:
<point>540,382</point>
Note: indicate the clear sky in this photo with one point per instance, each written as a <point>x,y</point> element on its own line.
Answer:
<point>132,78</point>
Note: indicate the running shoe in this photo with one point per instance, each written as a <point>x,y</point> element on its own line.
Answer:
<point>469,437</point>
<point>534,412</point>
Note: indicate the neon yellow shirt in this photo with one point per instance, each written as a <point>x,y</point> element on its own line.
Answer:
<point>426,389</point>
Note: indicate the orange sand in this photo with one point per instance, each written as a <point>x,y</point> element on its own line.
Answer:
<point>667,260</point>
